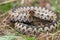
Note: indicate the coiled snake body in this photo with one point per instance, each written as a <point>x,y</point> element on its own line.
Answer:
<point>32,20</point>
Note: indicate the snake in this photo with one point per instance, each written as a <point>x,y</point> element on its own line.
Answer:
<point>32,20</point>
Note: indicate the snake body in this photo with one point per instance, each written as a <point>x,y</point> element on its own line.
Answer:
<point>32,20</point>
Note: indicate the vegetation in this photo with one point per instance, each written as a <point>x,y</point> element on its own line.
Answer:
<point>5,7</point>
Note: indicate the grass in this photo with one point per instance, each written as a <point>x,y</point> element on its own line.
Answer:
<point>57,9</point>
<point>5,7</point>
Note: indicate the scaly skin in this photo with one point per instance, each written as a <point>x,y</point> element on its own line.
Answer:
<point>32,20</point>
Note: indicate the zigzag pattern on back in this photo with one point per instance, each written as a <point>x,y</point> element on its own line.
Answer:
<point>32,19</point>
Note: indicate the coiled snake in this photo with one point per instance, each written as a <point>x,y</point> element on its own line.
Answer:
<point>32,20</point>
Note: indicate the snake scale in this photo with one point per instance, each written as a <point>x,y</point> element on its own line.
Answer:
<point>32,20</point>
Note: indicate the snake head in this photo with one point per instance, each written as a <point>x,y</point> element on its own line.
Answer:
<point>31,12</point>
